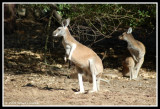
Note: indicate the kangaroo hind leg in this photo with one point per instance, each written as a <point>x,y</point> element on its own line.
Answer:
<point>137,67</point>
<point>96,81</point>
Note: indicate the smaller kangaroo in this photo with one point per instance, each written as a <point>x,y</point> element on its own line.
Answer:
<point>128,66</point>
<point>137,51</point>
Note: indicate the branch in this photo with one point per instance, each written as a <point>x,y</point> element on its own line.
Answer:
<point>106,36</point>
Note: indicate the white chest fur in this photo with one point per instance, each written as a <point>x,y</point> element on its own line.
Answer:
<point>69,48</point>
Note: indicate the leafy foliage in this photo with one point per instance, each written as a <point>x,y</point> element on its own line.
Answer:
<point>134,15</point>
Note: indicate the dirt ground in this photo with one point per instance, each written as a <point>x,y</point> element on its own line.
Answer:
<point>59,90</point>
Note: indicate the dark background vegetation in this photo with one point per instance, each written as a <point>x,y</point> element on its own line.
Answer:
<point>29,27</point>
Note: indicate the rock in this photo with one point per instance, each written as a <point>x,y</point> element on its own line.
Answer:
<point>152,76</point>
<point>112,76</point>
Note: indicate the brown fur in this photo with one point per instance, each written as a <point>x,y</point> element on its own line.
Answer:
<point>81,55</point>
<point>128,64</point>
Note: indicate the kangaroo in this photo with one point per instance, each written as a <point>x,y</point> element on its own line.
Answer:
<point>128,66</point>
<point>136,49</point>
<point>85,59</point>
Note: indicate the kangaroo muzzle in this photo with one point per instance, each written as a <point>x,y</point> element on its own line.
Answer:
<point>120,37</point>
<point>54,34</point>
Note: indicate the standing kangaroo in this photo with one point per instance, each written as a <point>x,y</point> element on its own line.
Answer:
<point>136,49</point>
<point>85,59</point>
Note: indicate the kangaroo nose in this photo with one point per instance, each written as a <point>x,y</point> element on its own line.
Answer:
<point>54,33</point>
<point>120,37</point>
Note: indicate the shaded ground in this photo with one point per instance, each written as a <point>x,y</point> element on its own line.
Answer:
<point>27,80</point>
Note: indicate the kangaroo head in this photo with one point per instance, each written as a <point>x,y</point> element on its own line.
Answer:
<point>61,31</point>
<point>126,34</point>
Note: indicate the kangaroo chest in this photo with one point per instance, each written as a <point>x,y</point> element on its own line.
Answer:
<point>133,49</point>
<point>67,47</point>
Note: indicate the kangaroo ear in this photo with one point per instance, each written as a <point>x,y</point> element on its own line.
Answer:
<point>65,22</point>
<point>129,30</point>
<point>68,21</point>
